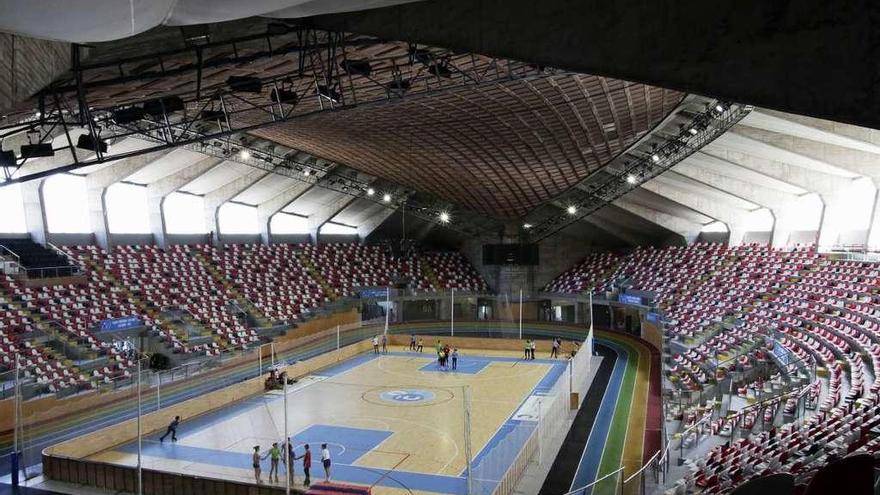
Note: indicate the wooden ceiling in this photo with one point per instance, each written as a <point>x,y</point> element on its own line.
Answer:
<point>501,149</point>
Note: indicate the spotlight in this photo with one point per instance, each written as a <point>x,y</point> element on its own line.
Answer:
<point>693,131</point>
<point>329,93</point>
<point>572,209</point>
<point>284,96</point>
<point>307,172</point>
<point>386,198</point>
<point>89,143</point>
<point>171,104</point>
<point>527,226</point>
<point>7,158</point>
<point>357,67</point>
<point>245,84</point>
<point>244,154</point>
<point>440,70</point>
<point>38,115</point>
<point>399,85</point>
<point>444,217</point>
<point>631,178</point>
<point>36,150</point>
<point>655,158</point>
<point>128,115</point>
<point>370,191</point>
<point>719,107</point>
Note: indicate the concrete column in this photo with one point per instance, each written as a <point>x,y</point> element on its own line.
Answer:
<point>268,209</point>
<point>157,191</point>
<point>96,189</point>
<point>216,198</point>
<point>325,214</point>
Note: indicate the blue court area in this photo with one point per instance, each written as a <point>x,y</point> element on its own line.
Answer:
<point>348,445</point>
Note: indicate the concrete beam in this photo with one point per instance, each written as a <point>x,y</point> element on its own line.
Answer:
<point>735,219</point>
<point>681,226</point>
<point>268,209</point>
<point>96,190</point>
<point>216,198</point>
<point>159,190</point>
<point>369,225</point>
<point>323,215</point>
<point>716,173</point>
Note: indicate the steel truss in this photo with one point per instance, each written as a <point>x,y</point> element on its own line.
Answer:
<point>672,141</point>
<point>316,72</point>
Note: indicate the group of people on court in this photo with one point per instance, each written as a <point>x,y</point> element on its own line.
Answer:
<point>445,354</point>
<point>285,452</point>
<point>276,454</point>
<point>384,340</point>
<point>531,345</point>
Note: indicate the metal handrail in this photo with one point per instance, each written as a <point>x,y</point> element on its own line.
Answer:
<point>17,257</point>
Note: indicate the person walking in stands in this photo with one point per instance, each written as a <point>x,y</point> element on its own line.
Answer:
<point>384,344</point>
<point>554,352</point>
<point>532,347</point>
<point>172,429</point>
<point>376,344</point>
<point>256,463</point>
<point>421,344</point>
<point>274,458</point>
<point>455,359</point>
<point>412,342</point>
<point>325,460</point>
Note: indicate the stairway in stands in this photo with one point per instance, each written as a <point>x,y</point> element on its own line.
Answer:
<point>316,274</point>
<point>430,274</point>
<point>243,302</point>
<point>33,257</point>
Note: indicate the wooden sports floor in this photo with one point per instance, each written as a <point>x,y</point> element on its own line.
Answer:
<point>395,422</point>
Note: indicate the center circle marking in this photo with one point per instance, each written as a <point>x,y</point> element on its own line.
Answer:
<point>407,396</point>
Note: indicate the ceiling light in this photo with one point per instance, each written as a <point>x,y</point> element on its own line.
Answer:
<point>38,115</point>
<point>244,154</point>
<point>572,209</point>
<point>307,172</point>
<point>655,158</point>
<point>719,107</point>
<point>370,191</point>
<point>693,131</point>
<point>386,198</point>
<point>444,217</point>
<point>527,226</point>
<point>631,178</point>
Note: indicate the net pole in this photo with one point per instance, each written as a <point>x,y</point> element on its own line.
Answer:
<point>16,427</point>
<point>140,473</point>
<point>260,359</point>
<point>158,391</point>
<point>520,314</point>
<point>387,307</point>
<point>467,437</point>
<point>289,472</point>
<point>337,337</point>
<point>452,314</point>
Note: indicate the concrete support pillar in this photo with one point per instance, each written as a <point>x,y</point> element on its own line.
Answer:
<point>157,191</point>
<point>34,213</point>
<point>96,189</point>
<point>268,209</point>
<point>325,214</point>
<point>216,198</point>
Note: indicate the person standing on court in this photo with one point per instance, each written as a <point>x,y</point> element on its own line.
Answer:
<point>412,342</point>
<point>421,344</point>
<point>274,457</point>
<point>291,456</point>
<point>325,460</point>
<point>307,465</point>
<point>532,347</point>
<point>455,359</point>
<point>376,344</point>
<point>172,429</point>
<point>256,463</point>
<point>527,349</point>
<point>554,352</point>
<point>384,344</point>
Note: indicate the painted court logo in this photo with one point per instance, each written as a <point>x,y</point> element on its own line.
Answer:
<point>407,396</point>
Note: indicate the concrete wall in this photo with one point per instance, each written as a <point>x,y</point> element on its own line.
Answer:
<point>71,239</point>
